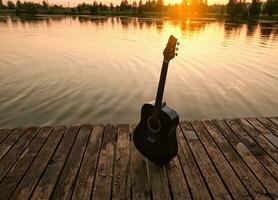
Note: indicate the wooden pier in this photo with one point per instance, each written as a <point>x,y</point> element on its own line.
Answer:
<point>217,159</point>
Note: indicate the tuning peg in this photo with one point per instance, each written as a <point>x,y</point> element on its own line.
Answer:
<point>176,54</point>
<point>177,48</point>
<point>178,43</point>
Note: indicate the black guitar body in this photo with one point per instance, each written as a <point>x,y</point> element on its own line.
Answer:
<point>159,145</point>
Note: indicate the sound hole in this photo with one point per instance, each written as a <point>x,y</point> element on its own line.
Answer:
<point>153,124</point>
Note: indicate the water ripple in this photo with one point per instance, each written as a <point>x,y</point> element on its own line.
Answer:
<point>83,70</point>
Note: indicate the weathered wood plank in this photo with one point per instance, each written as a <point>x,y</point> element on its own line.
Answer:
<point>256,136</point>
<point>274,120</point>
<point>268,124</point>
<point>140,179</point>
<point>66,182</point>
<point>258,169</point>
<point>196,183</point>
<point>4,133</point>
<point>245,174</point>
<point>14,153</point>
<point>51,174</point>
<point>103,182</point>
<point>158,181</point>
<point>10,141</point>
<point>121,185</point>
<point>9,183</point>
<point>177,180</point>
<point>84,183</point>
<point>229,177</point>
<point>215,184</point>
<point>273,139</point>
<point>255,149</point>
<point>250,143</point>
<point>32,176</point>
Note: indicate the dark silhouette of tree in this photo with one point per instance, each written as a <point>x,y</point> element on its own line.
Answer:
<point>255,8</point>
<point>18,5</point>
<point>124,6</point>
<point>73,10</point>
<point>83,7</point>
<point>240,9</point>
<point>222,10</point>
<point>30,7</point>
<point>270,7</point>
<point>111,7</point>
<point>159,5</point>
<point>231,8</point>
<point>1,4</point>
<point>140,7</point>
<point>94,8</point>
<point>217,8</point>
<point>100,6</point>
<point>10,5</point>
<point>237,8</point>
<point>45,5</point>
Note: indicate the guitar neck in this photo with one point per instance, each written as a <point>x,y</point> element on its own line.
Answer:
<point>160,90</point>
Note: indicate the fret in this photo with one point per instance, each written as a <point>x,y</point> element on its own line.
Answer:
<point>160,90</point>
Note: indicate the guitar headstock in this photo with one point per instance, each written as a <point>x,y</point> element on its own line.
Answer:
<point>170,49</point>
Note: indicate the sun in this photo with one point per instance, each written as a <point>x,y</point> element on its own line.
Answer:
<point>172,1</point>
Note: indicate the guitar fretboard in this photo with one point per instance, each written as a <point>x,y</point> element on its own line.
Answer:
<point>160,90</point>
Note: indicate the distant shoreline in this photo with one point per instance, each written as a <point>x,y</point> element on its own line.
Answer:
<point>208,16</point>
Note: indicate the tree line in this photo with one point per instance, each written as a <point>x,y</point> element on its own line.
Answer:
<point>241,8</point>
<point>136,7</point>
<point>234,8</point>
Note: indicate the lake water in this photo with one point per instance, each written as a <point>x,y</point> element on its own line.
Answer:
<point>69,70</point>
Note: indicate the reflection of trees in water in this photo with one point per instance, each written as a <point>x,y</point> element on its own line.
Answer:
<point>275,34</point>
<point>125,22</point>
<point>149,23</point>
<point>268,30</point>
<point>265,30</point>
<point>193,26</point>
<point>141,23</point>
<point>134,23</point>
<point>251,28</point>
<point>55,18</point>
<point>95,20</point>
<point>28,21</point>
<point>47,22</point>
<point>159,25</point>
<point>190,28</point>
<point>3,19</point>
<point>112,21</point>
<point>232,29</point>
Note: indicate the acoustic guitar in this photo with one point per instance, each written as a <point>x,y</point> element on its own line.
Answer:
<point>155,135</point>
